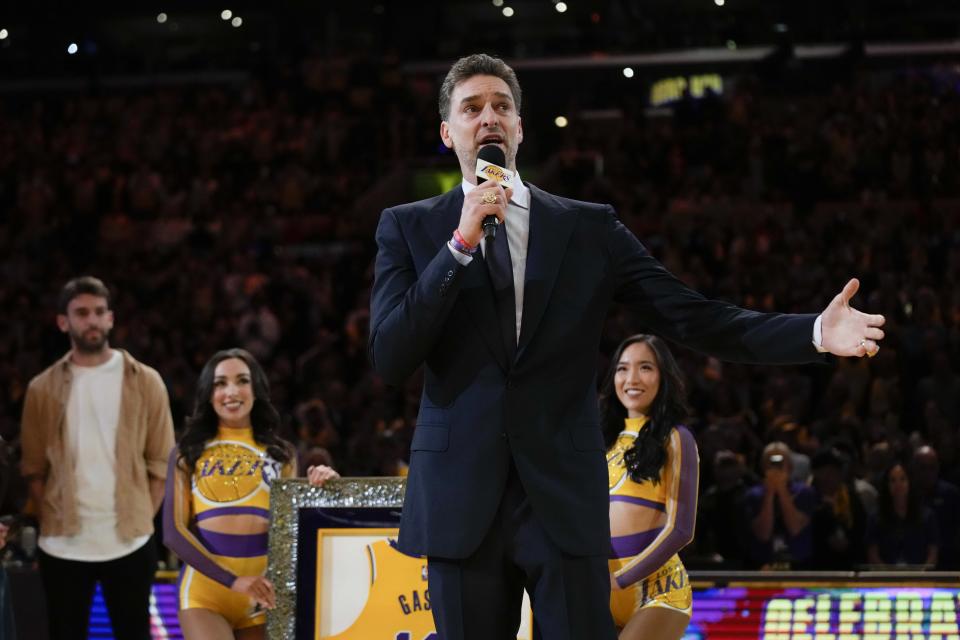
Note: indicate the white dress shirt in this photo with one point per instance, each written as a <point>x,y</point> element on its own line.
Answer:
<point>517,227</point>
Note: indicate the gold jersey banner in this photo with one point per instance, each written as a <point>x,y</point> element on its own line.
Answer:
<point>396,602</point>
<point>367,589</point>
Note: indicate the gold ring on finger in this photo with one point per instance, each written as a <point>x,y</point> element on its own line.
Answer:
<point>488,197</point>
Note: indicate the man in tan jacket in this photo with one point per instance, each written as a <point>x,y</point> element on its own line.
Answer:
<point>96,436</point>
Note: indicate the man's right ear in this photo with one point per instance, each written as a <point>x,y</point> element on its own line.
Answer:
<point>62,323</point>
<point>445,135</point>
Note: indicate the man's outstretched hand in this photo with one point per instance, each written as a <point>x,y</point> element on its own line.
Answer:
<point>848,332</point>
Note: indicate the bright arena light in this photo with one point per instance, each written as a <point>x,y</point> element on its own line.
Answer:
<point>627,72</point>
<point>719,3</point>
<point>237,21</point>
<point>561,7</point>
<point>161,17</point>
<point>72,48</point>
<point>507,11</point>
<point>226,14</point>
<point>3,34</point>
<point>498,3</point>
<point>561,121</point>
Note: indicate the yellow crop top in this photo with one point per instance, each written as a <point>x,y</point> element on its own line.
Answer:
<point>622,487</point>
<point>675,495</point>
<point>231,477</point>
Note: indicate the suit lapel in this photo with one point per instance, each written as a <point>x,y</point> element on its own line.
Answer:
<point>550,227</point>
<point>476,289</point>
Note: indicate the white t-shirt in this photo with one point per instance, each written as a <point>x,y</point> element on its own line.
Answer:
<point>93,412</point>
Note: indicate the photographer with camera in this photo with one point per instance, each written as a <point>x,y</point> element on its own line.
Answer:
<point>780,511</point>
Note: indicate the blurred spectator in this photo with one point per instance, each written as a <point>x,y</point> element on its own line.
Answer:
<point>389,454</point>
<point>315,430</point>
<point>839,521</point>
<point>779,511</point>
<point>941,387</point>
<point>13,490</point>
<point>885,398</point>
<point>259,330</point>
<point>735,434</point>
<point>798,438</point>
<point>314,457</point>
<point>940,497</point>
<point>879,457</point>
<point>7,626</point>
<point>721,513</point>
<point>866,492</point>
<point>904,532</point>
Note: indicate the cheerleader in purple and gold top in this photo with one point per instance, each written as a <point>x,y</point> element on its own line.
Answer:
<point>216,511</point>
<point>653,469</point>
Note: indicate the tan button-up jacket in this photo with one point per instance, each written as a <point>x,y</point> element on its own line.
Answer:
<point>144,442</point>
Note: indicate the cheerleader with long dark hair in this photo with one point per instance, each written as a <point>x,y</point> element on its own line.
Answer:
<point>653,469</point>
<point>216,512</point>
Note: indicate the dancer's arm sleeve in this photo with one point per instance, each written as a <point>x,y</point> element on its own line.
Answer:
<point>682,478</point>
<point>177,535</point>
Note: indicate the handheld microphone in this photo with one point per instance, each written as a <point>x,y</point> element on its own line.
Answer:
<point>492,165</point>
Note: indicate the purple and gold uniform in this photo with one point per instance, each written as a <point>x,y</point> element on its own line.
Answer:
<point>645,564</point>
<point>207,519</point>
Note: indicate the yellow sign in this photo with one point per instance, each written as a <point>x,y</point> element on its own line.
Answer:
<point>670,90</point>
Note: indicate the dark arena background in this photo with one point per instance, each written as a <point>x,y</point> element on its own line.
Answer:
<point>222,168</point>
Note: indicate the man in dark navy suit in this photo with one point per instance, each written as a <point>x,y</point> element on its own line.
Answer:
<point>507,485</point>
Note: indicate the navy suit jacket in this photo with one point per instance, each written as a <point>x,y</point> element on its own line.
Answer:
<point>481,407</point>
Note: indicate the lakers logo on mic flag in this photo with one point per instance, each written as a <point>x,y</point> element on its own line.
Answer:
<point>495,172</point>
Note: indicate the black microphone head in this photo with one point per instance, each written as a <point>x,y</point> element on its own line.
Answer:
<point>493,154</point>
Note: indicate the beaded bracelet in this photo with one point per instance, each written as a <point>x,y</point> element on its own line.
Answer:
<point>462,245</point>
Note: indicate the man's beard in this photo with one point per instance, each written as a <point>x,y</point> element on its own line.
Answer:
<point>90,342</point>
